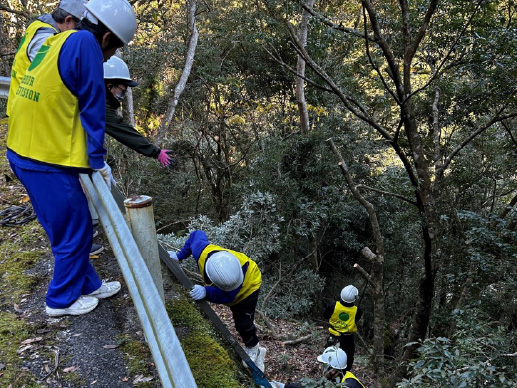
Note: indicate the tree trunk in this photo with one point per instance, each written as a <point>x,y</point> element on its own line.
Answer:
<point>376,276</point>
<point>189,60</point>
<point>300,69</point>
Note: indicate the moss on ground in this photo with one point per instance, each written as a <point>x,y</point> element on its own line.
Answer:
<point>136,353</point>
<point>13,331</point>
<point>16,259</point>
<point>211,365</point>
<point>20,245</point>
<point>20,250</point>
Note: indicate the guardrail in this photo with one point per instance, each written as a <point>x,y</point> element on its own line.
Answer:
<point>168,355</point>
<point>4,87</point>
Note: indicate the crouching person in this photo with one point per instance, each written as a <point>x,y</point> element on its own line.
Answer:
<point>230,278</point>
<point>335,361</point>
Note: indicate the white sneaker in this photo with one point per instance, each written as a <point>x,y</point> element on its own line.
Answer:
<point>96,249</point>
<point>81,306</point>
<point>106,290</point>
<point>257,354</point>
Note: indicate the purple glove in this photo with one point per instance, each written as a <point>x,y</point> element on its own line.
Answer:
<point>198,292</point>
<point>164,158</point>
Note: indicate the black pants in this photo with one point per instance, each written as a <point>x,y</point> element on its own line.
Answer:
<point>244,316</point>
<point>347,343</point>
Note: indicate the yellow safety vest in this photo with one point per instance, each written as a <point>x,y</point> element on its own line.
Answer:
<point>342,320</point>
<point>252,279</point>
<point>45,122</point>
<point>21,59</point>
<point>350,375</point>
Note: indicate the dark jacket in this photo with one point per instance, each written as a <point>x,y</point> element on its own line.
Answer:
<point>125,133</point>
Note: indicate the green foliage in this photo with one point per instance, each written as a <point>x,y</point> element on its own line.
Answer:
<point>473,357</point>
<point>254,230</point>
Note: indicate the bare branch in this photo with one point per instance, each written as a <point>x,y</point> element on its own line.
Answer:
<point>298,340</point>
<point>373,64</point>
<point>189,60</point>
<point>338,27</point>
<point>446,57</point>
<point>494,120</point>
<point>269,325</point>
<point>25,14</point>
<point>363,273</point>
<point>273,287</point>
<point>282,63</point>
<point>509,354</point>
<point>388,193</point>
<point>368,254</point>
<point>411,50</point>
<point>357,195</point>
<point>351,104</point>
<point>507,128</point>
<point>383,44</point>
<point>503,213</point>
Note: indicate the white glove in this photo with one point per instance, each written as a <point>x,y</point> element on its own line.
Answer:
<point>106,175</point>
<point>198,292</point>
<point>173,255</point>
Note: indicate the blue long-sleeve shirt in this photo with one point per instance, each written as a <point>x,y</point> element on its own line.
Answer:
<point>80,67</point>
<point>194,246</point>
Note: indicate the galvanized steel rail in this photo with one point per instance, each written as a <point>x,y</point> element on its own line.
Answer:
<point>168,355</point>
<point>4,87</point>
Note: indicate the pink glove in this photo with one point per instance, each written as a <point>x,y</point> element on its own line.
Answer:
<point>164,158</point>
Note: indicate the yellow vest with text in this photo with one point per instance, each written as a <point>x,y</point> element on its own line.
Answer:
<point>21,60</point>
<point>342,320</point>
<point>252,279</point>
<point>350,375</point>
<point>45,122</point>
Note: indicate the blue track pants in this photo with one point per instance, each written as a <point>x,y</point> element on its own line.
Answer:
<point>62,209</point>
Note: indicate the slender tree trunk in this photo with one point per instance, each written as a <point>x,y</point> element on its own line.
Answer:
<point>189,60</point>
<point>129,112</point>
<point>376,275</point>
<point>300,69</point>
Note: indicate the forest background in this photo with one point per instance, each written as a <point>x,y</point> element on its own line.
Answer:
<point>366,142</point>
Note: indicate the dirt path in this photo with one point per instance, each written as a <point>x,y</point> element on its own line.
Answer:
<point>88,350</point>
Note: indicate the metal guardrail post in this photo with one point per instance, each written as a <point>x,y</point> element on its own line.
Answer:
<point>139,210</point>
<point>5,82</point>
<point>165,347</point>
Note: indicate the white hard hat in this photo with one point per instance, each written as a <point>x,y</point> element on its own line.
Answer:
<point>117,15</point>
<point>116,68</point>
<point>73,7</point>
<point>333,356</point>
<point>224,270</point>
<point>349,294</point>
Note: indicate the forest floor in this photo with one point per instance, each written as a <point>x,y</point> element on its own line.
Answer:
<point>104,348</point>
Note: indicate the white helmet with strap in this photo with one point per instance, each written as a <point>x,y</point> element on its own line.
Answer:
<point>116,69</point>
<point>334,356</point>
<point>224,270</point>
<point>117,15</point>
<point>349,294</point>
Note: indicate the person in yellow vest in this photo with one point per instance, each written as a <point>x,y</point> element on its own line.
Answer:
<point>65,17</point>
<point>335,360</point>
<point>56,132</point>
<point>230,278</point>
<point>343,316</point>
